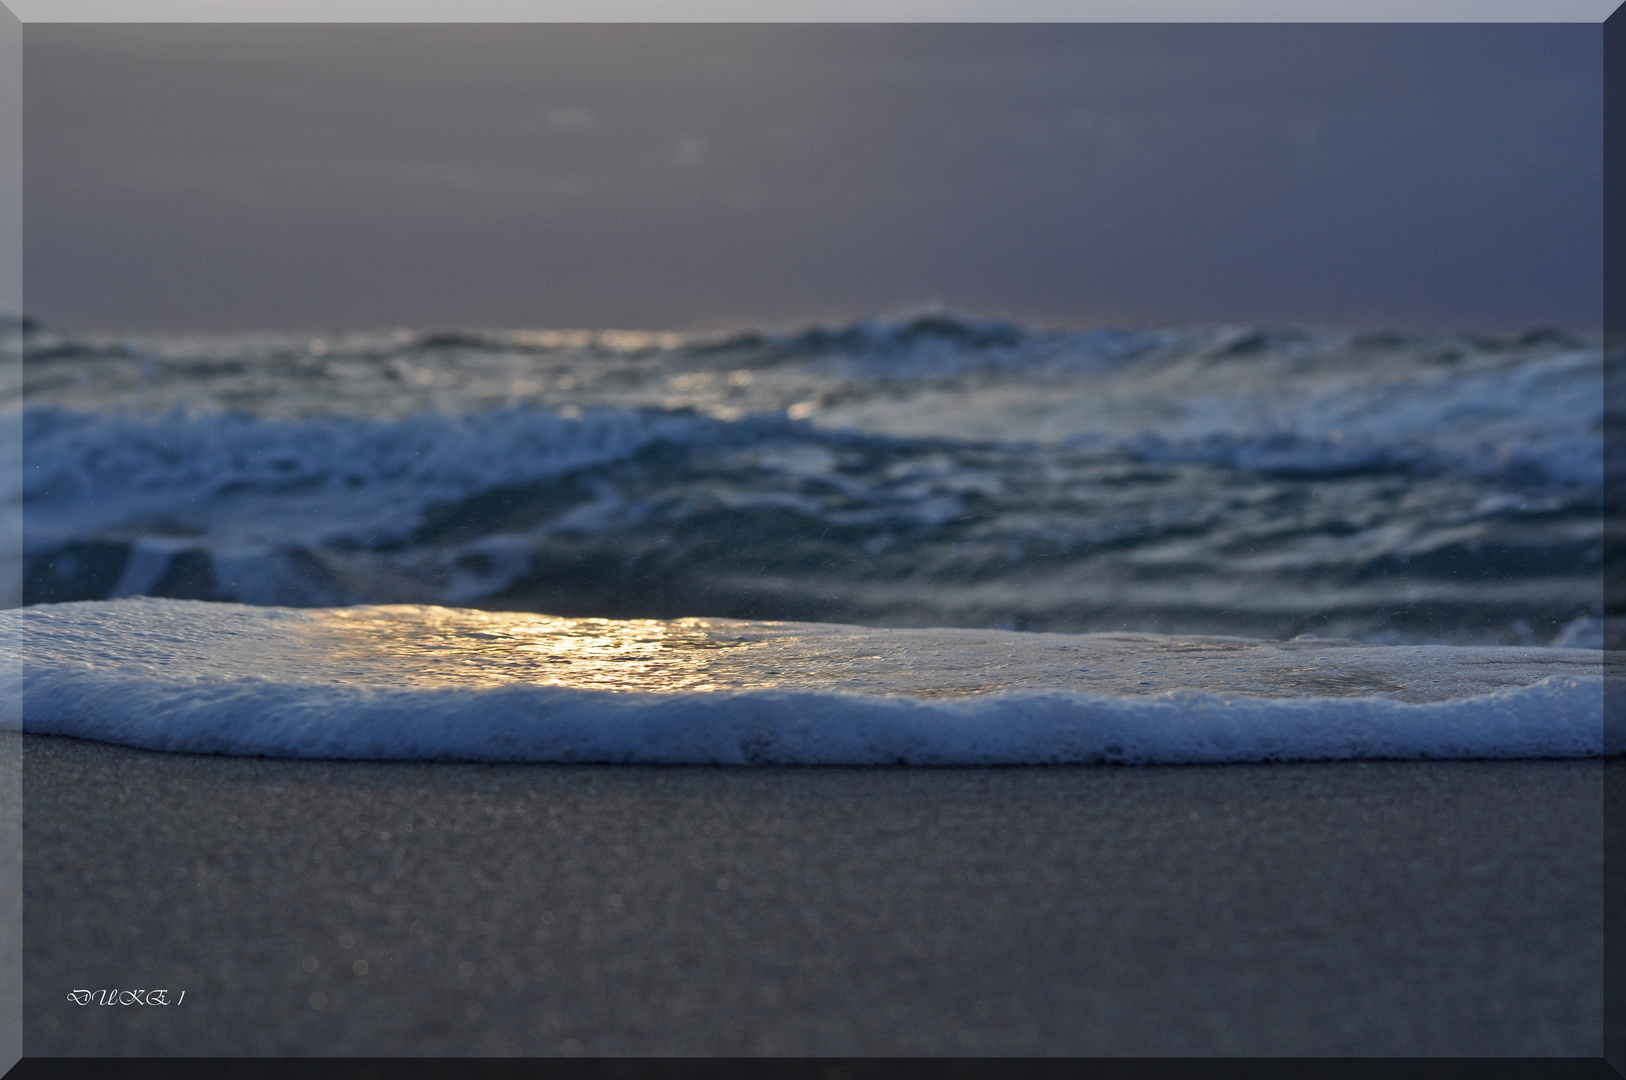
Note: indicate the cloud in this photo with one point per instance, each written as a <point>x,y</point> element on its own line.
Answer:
<point>690,153</point>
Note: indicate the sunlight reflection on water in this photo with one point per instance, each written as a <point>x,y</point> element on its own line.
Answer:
<point>441,646</point>
<point>434,647</point>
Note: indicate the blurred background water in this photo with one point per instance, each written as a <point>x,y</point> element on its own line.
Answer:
<point>924,470</point>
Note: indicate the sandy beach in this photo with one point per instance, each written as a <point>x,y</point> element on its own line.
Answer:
<point>318,908</point>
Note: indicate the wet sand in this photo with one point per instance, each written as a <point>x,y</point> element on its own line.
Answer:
<point>317,908</point>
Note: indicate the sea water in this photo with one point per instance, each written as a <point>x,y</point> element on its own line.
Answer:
<point>1393,491</point>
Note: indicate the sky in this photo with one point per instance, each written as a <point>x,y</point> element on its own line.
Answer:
<point>711,177</point>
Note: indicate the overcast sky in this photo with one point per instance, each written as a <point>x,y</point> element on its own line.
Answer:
<point>718,176</point>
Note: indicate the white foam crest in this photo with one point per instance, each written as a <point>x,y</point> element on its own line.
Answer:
<point>1555,718</point>
<point>225,679</point>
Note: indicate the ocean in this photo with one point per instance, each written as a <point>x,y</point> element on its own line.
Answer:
<point>1406,503</point>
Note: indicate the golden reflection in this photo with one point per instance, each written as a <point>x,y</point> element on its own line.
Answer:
<point>448,648</point>
<point>440,646</point>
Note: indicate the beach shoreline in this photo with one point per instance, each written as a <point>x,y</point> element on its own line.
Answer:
<point>427,909</point>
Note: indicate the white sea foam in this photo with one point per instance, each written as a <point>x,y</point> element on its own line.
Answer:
<point>420,683</point>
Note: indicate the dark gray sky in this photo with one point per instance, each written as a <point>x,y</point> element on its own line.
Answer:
<point>705,176</point>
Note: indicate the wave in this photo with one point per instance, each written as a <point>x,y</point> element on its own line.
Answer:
<point>346,475</point>
<point>929,469</point>
<point>433,684</point>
